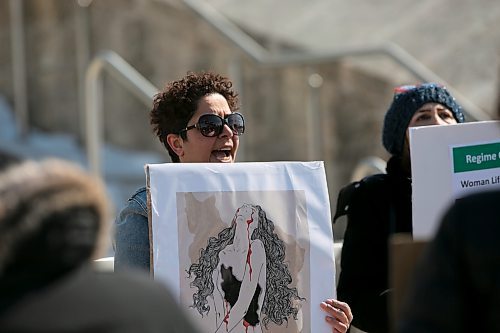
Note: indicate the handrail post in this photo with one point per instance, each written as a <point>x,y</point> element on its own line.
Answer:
<point>313,117</point>
<point>124,74</point>
<point>93,108</point>
<point>19,66</point>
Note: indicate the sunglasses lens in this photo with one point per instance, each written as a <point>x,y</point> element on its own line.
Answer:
<point>236,123</point>
<point>210,125</point>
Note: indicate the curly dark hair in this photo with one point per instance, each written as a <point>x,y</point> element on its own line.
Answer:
<point>176,104</point>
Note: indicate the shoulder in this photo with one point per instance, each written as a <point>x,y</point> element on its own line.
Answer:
<point>136,205</point>
<point>482,208</point>
<point>140,196</point>
<point>82,290</point>
<point>367,184</point>
<point>370,186</point>
<point>485,200</point>
<point>139,200</point>
<point>133,281</point>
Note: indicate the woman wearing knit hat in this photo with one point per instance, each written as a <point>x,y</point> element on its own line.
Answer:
<point>380,205</point>
<point>457,270</point>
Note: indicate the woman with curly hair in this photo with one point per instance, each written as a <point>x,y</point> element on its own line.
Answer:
<point>243,274</point>
<point>195,119</point>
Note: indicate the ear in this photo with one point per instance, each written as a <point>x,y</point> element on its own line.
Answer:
<point>176,143</point>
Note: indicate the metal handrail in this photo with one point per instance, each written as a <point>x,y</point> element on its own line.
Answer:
<point>125,74</point>
<point>144,90</point>
<point>262,56</point>
<point>19,66</point>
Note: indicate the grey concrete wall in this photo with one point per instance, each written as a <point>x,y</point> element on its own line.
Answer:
<point>164,40</point>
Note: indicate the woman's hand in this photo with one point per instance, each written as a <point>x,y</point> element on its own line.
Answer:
<point>339,315</point>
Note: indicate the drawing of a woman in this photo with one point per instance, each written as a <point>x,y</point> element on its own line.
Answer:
<point>242,275</point>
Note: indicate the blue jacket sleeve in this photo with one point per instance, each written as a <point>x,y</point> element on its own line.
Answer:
<point>132,234</point>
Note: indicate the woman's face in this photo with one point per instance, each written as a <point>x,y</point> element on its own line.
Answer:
<point>199,148</point>
<point>432,114</point>
<point>246,215</point>
<point>429,114</point>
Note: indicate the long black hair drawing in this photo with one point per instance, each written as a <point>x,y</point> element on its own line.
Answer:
<point>241,276</point>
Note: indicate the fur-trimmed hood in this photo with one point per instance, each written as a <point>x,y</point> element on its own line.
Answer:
<point>31,193</point>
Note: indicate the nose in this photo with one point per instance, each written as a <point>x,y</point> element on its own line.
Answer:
<point>226,132</point>
<point>437,120</point>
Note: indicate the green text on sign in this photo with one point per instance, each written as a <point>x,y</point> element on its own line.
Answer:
<point>478,157</point>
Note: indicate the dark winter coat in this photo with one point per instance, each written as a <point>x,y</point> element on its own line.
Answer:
<point>85,301</point>
<point>377,207</point>
<point>457,282</point>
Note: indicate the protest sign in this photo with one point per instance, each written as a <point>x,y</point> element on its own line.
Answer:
<point>449,162</point>
<point>244,246</point>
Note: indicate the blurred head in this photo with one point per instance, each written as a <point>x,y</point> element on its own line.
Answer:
<point>52,216</point>
<point>421,105</point>
<point>8,159</point>
<point>178,118</point>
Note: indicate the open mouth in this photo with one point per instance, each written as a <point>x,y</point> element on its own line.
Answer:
<point>222,155</point>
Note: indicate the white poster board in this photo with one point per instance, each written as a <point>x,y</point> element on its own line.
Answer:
<point>447,163</point>
<point>264,222</point>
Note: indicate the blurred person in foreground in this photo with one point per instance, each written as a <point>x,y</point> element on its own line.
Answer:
<point>380,205</point>
<point>53,221</point>
<point>8,159</point>
<point>456,287</point>
<point>195,118</point>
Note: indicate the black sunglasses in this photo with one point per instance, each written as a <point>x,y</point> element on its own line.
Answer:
<point>211,125</point>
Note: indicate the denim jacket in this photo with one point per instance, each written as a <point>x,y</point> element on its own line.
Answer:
<point>132,234</point>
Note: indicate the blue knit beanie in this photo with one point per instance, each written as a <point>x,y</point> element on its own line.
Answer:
<point>407,100</point>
